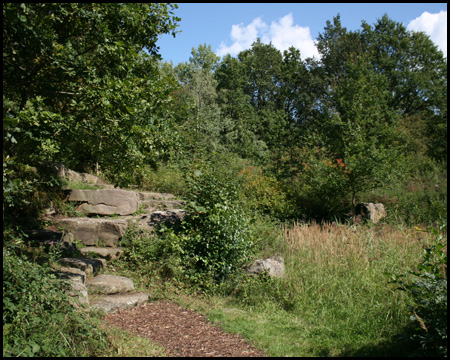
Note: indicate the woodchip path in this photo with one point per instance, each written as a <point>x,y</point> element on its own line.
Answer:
<point>182,332</point>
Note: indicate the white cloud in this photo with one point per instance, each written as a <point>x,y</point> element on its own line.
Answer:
<point>434,25</point>
<point>282,34</point>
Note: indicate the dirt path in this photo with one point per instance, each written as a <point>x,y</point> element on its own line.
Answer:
<point>182,332</point>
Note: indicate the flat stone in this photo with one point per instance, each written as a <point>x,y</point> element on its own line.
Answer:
<point>105,201</point>
<point>113,303</point>
<point>91,231</point>
<point>88,265</point>
<point>110,253</point>
<point>110,284</point>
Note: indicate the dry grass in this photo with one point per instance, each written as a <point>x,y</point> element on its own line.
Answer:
<point>331,244</point>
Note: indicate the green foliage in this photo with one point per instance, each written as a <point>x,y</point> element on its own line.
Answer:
<point>420,197</point>
<point>214,236</point>
<point>427,290</point>
<point>263,193</point>
<point>167,178</point>
<point>39,318</point>
<point>79,87</point>
<point>26,191</point>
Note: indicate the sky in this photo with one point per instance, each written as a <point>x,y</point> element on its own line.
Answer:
<point>232,27</point>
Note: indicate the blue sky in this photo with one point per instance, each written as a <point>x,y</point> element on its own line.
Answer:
<point>232,27</point>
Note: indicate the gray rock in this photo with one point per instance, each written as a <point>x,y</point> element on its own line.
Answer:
<point>88,265</point>
<point>273,266</point>
<point>375,212</point>
<point>113,303</point>
<point>109,284</point>
<point>105,201</point>
<point>91,231</point>
<point>166,216</point>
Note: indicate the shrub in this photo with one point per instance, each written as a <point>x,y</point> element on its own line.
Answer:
<point>214,236</point>
<point>428,292</point>
<point>38,318</point>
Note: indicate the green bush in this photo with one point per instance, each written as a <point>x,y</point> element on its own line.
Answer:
<point>38,318</point>
<point>428,292</point>
<point>214,237</point>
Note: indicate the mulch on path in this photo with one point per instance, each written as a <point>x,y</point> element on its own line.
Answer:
<point>182,332</point>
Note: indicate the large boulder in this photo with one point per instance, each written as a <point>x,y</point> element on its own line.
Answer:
<point>374,212</point>
<point>272,266</point>
<point>105,201</point>
<point>91,231</point>
<point>109,284</point>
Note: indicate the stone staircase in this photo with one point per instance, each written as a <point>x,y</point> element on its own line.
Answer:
<point>114,210</point>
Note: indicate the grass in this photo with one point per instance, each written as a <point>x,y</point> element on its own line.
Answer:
<point>334,300</point>
<point>129,345</point>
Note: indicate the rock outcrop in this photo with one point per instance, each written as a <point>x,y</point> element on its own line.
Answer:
<point>100,238</point>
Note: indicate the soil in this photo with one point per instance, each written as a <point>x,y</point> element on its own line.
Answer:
<point>182,332</point>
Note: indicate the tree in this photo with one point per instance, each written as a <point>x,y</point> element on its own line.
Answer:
<point>81,84</point>
<point>417,78</point>
<point>357,128</point>
<point>205,127</point>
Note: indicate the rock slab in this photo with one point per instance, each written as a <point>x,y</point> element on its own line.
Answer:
<point>113,303</point>
<point>105,201</point>
<point>93,232</point>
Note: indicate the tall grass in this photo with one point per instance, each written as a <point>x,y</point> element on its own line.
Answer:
<point>335,298</point>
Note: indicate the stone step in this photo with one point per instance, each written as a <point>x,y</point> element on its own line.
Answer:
<point>93,231</point>
<point>109,253</point>
<point>113,303</point>
<point>109,284</point>
<point>88,265</point>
